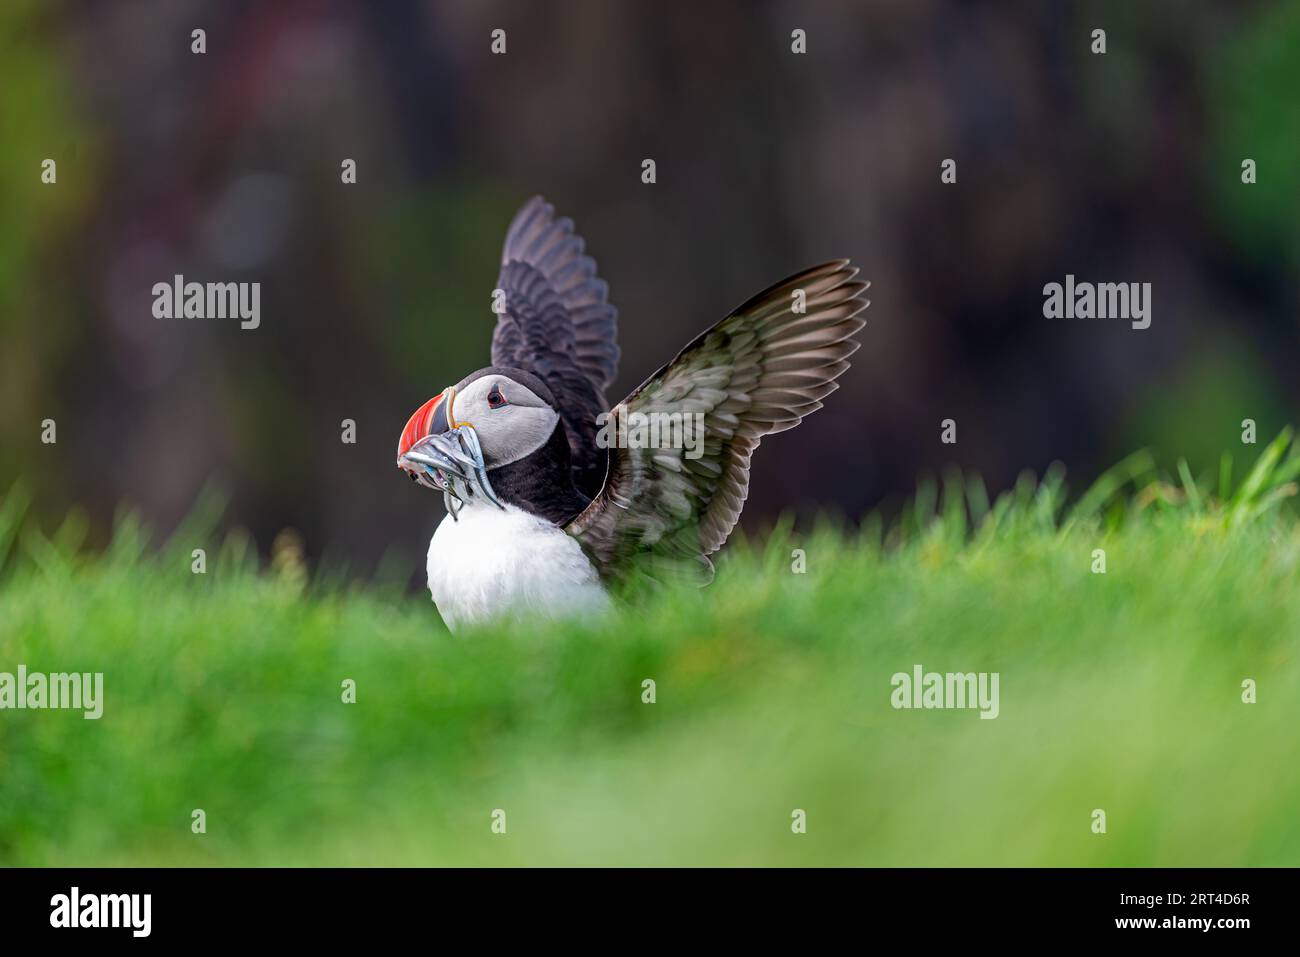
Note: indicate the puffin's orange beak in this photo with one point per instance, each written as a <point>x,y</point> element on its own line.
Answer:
<point>440,453</point>
<point>429,419</point>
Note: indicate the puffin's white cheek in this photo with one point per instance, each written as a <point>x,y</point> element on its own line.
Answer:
<point>515,432</point>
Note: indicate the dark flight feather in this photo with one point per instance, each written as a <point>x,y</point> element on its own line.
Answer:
<point>559,325</point>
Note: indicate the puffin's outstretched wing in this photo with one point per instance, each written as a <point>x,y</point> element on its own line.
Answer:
<point>759,371</point>
<point>558,325</point>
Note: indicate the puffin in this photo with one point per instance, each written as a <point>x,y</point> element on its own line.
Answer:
<point>552,502</point>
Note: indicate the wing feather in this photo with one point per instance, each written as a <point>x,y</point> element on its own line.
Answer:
<point>757,372</point>
<point>559,325</point>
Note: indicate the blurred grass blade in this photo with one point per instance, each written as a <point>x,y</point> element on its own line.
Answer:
<point>1260,479</point>
<point>1109,484</point>
<point>12,510</point>
<point>1189,486</point>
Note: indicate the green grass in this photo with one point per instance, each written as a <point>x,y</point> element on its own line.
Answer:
<point>1119,691</point>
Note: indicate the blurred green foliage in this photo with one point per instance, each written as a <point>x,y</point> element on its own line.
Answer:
<point>39,120</point>
<point>1124,167</point>
<point>1256,74</point>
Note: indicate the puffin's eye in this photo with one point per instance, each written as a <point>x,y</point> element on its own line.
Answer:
<point>495,398</point>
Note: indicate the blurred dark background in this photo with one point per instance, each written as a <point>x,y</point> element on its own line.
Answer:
<point>1123,167</point>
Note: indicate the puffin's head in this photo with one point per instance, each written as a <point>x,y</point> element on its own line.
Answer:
<point>494,417</point>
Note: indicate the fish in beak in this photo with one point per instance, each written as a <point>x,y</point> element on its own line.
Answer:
<point>440,453</point>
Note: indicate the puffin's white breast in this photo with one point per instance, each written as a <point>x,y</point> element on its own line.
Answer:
<point>496,562</point>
